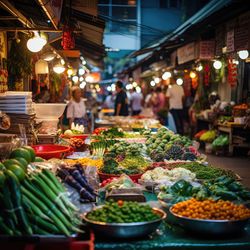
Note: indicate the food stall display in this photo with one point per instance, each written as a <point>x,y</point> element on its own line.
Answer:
<point>150,192</point>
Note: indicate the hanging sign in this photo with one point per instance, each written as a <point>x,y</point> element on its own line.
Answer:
<point>173,59</point>
<point>186,53</point>
<point>242,32</point>
<point>219,39</point>
<point>207,49</point>
<point>230,41</point>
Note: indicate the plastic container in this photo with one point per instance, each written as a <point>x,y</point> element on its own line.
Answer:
<point>49,110</point>
<point>48,151</point>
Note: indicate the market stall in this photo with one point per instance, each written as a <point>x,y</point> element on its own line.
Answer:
<point>130,189</point>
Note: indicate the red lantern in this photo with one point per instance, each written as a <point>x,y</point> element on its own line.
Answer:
<point>232,72</point>
<point>68,40</point>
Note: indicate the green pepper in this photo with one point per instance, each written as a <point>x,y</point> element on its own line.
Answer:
<point>235,186</point>
<point>244,194</point>
<point>227,195</point>
<point>180,186</point>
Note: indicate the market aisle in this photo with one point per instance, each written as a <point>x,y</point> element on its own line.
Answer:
<point>239,165</point>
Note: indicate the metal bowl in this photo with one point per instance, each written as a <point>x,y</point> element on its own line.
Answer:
<point>126,230</point>
<point>212,227</point>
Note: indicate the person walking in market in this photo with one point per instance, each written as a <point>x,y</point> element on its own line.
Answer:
<point>175,99</point>
<point>136,102</point>
<point>76,109</point>
<point>121,101</point>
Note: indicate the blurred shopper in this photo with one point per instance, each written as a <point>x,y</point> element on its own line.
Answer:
<point>109,102</point>
<point>136,102</point>
<point>175,97</point>
<point>121,101</point>
<point>76,110</point>
<point>44,95</point>
<point>158,100</point>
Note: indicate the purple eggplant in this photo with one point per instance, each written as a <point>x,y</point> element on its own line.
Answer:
<point>84,194</point>
<point>78,177</point>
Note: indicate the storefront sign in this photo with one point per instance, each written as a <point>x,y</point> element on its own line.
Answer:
<point>230,41</point>
<point>242,32</point>
<point>207,49</point>
<point>186,53</point>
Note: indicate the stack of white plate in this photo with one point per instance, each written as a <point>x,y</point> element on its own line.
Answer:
<point>15,102</point>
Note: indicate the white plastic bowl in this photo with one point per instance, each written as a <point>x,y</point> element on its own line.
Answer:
<point>49,110</point>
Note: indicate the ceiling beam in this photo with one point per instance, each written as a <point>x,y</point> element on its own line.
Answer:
<point>43,5</point>
<point>42,29</point>
<point>8,18</point>
<point>13,11</point>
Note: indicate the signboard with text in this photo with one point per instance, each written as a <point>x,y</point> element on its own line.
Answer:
<point>206,49</point>
<point>186,53</point>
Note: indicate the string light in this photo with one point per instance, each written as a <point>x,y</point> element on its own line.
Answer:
<point>192,74</point>
<point>152,83</point>
<point>179,81</point>
<point>217,64</point>
<point>157,80</point>
<point>59,68</point>
<point>166,75</point>
<point>75,79</point>
<point>243,54</point>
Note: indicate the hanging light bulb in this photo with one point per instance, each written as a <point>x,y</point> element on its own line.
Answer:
<point>48,56</point>
<point>157,80</point>
<point>166,75</point>
<point>199,67</point>
<point>179,81</point>
<point>59,68</point>
<point>152,83</point>
<point>36,43</point>
<point>81,71</point>
<point>243,54</point>
<point>134,84</point>
<point>75,79</point>
<point>109,88</point>
<point>82,85</point>
<point>62,61</point>
<point>217,64</point>
<point>70,72</point>
<point>41,67</point>
<point>192,74</point>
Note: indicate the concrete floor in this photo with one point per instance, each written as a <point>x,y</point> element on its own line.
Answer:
<point>240,165</point>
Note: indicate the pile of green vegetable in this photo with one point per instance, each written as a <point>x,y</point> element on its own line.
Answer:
<point>123,212</point>
<point>34,203</point>
<point>167,145</point>
<point>223,187</point>
<point>221,141</point>
<point>125,158</point>
<point>207,172</point>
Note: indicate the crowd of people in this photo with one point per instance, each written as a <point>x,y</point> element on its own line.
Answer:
<point>156,103</point>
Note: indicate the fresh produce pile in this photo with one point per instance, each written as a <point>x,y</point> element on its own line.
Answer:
<point>161,175</point>
<point>205,172</point>
<point>76,143</point>
<point>208,136</point>
<point>100,145</point>
<point>221,141</point>
<point>211,210</point>
<point>125,158</point>
<point>223,187</point>
<point>74,177</point>
<point>75,130</point>
<point>123,212</point>
<point>86,162</point>
<point>35,204</point>
<point>167,145</point>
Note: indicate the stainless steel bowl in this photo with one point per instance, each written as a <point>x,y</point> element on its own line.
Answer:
<point>214,227</point>
<point>126,230</point>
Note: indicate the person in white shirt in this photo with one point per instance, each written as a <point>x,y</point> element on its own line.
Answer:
<point>175,98</point>
<point>76,110</point>
<point>136,102</point>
